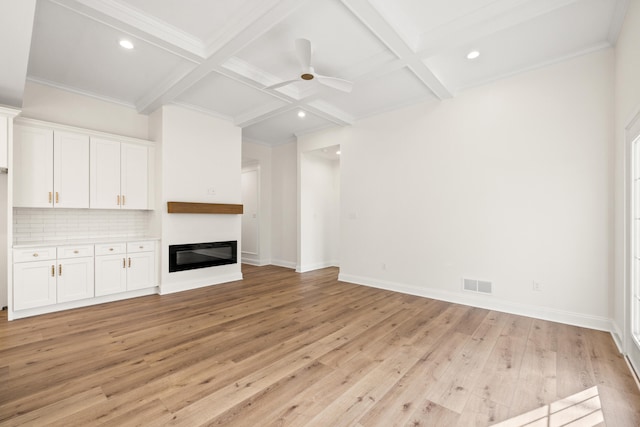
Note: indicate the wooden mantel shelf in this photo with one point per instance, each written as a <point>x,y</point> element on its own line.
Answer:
<point>203,208</point>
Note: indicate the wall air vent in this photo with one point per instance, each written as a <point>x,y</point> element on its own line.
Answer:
<point>478,286</point>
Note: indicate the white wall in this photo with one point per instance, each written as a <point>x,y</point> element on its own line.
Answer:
<point>198,152</point>
<point>262,154</point>
<point>509,182</point>
<point>58,106</point>
<point>284,205</point>
<point>627,95</point>
<point>319,212</point>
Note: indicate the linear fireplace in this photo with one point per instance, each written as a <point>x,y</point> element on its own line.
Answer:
<point>201,255</point>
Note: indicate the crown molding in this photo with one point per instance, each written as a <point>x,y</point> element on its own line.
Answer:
<point>80,92</point>
<point>202,110</point>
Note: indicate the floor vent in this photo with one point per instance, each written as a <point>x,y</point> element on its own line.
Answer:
<point>479,286</point>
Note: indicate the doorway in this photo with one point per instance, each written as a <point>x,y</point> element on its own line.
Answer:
<point>250,218</point>
<point>319,244</point>
<point>632,293</point>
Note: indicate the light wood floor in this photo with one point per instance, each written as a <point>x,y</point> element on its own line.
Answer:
<point>287,349</point>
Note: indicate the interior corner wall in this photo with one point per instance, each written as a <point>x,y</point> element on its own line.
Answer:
<point>509,182</point>
<point>284,233</point>
<point>55,105</point>
<point>627,105</point>
<point>263,154</point>
<point>155,135</point>
<point>199,152</point>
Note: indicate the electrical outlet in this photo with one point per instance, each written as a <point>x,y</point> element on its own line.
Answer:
<point>537,286</point>
<point>211,191</point>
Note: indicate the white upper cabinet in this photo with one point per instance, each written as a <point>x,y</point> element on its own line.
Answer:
<point>4,140</point>
<point>134,181</point>
<point>70,170</point>
<point>57,166</point>
<point>6,133</point>
<point>51,169</point>
<point>32,167</point>
<point>105,174</point>
<point>119,175</point>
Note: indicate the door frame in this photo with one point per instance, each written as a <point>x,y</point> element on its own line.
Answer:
<point>254,256</point>
<point>631,344</point>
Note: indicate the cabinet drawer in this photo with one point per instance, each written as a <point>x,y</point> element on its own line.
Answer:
<point>142,246</point>
<point>75,251</point>
<point>34,254</point>
<point>111,248</point>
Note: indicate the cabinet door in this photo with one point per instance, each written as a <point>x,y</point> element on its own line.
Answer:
<point>134,177</point>
<point>111,274</point>
<point>140,270</point>
<point>104,174</point>
<point>70,170</point>
<point>34,284</point>
<point>75,279</point>
<point>32,167</point>
<point>4,140</point>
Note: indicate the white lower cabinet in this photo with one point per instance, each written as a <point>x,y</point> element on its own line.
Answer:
<point>111,269</point>
<point>140,265</point>
<point>51,275</point>
<point>34,284</point>
<point>59,275</point>
<point>125,267</point>
<point>75,279</point>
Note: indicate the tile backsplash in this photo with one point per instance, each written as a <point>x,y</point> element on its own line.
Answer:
<point>32,225</point>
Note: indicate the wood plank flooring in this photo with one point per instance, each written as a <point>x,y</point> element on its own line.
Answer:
<point>287,349</point>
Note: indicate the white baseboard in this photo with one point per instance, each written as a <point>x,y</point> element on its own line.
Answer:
<point>616,334</point>
<point>19,314</point>
<point>315,266</point>
<point>253,259</point>
<point>283,263</point>
<point>488,302</point>
<point>170,288</point>
<point>257,263</point>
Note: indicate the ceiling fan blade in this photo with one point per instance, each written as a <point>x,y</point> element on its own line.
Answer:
<point>277,85</point>
<point>303,51</point>
<point>336,83</point>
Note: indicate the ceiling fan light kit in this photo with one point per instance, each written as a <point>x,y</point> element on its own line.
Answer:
<point>303,52</point>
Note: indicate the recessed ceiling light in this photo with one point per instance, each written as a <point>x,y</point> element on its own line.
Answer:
<point>126,44</point>
<point>473,54</point>
<point>338,152</point>
<point>301,114</point>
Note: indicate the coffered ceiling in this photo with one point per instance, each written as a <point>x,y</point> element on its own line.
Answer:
<point>218,56</point>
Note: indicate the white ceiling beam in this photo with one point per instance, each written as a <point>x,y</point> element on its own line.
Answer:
<point>319,108</point>
<point>379,26</point>
<point>16,27</point>
<point>330,112</point>
<point>261,113</point>
<point>241,38</point>
<point>140,26</point>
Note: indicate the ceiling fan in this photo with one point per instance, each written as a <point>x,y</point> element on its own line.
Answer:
<point>303,52</point>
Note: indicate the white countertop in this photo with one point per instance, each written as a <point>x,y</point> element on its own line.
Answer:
<point>88,241</point>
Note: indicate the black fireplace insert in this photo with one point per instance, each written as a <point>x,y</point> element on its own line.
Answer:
<point>201,255</point>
